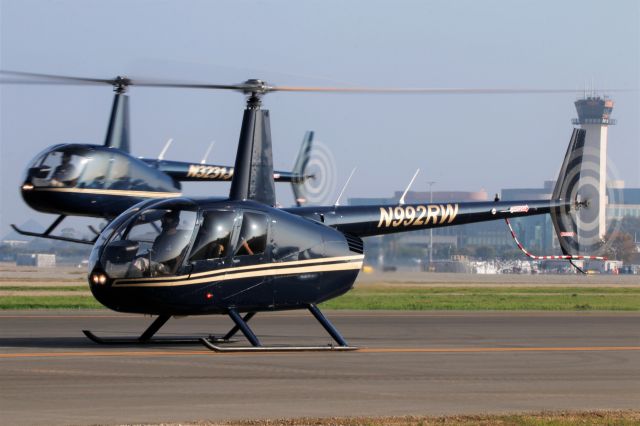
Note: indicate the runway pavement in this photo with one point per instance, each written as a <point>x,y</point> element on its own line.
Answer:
<point>409,363</point>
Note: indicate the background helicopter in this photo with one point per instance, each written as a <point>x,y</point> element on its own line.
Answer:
<point>243,255</point>
<point>105,180</point>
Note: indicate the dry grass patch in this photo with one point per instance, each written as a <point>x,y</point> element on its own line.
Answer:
<point>622,418</point>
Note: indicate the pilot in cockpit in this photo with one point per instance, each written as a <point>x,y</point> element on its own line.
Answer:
<point>167,248</point>
<point>64,174</point>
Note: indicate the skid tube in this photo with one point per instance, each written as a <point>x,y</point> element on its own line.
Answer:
<point>47,233</point>
<point>147,337</point>
<point>241,325</point>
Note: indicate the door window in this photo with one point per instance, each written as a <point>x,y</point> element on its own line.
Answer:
<point>253,235</point>
<point>214,236</point>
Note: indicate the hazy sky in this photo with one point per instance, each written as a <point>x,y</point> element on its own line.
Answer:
<point>462,142</point>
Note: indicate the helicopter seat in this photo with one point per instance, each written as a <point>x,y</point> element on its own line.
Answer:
<point>97,183</point>
<point>122,183</point>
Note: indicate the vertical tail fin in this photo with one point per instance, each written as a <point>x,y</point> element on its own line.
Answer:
<point>576,224</point>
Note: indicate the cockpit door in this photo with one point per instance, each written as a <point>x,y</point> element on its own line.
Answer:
<point>250,261</point>
<point>212,247</point>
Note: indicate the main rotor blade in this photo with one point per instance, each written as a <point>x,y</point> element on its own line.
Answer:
<point>422,90</point>
<point>260,87</point>
<point>178,85</point>
<point>20,77</point>
<point>31,78</point>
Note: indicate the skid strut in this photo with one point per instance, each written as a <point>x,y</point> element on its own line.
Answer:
<point>241,325</point>
<point>227,337</point>
<point>327,325</point>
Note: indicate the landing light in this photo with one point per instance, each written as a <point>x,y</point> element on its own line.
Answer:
<point>99,278</point>
<point>27,187</point>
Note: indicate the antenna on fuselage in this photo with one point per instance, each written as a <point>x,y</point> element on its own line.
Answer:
<point>206,154</point>
<point>337,203</point>
<point>164,149</point>
<point>401,202</point>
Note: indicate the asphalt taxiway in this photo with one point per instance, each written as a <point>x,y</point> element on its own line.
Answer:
<point>409,363</point>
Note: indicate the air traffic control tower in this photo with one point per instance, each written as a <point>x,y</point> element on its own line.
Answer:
<point>593,116</point>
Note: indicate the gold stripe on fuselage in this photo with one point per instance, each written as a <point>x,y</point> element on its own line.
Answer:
<point>118,192</point>
<point>245,268</point>
<point>290,263</point>
<point>285,268</point>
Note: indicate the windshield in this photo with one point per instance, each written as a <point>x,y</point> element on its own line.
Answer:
<point>91,168</point>
<point>57,169</point>
<point>152,243</point>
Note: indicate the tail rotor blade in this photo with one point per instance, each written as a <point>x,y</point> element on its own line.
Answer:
<point>300,167</point>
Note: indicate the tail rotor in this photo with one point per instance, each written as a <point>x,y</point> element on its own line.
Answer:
<point>577,223</point>
<point>315,167</point>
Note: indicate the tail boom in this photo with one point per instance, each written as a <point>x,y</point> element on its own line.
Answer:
<point>364,221</point>
<point>196,172</point>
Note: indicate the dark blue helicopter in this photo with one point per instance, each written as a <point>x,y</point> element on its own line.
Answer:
<point>104,180</point>
<point>243,255</point>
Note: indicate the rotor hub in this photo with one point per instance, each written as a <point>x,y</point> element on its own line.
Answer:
<point>581,203</point>
<point>254,89</point>
<point>120,84</point>
<point>255,86</point>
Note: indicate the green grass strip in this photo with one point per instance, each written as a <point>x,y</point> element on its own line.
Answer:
<point>388,297</point>
<point>478,299</point>
<point>49,302</point>
<point>45,288</point>
<point>434,289</point>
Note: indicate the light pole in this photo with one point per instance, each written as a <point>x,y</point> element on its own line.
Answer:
<point>430,183</point>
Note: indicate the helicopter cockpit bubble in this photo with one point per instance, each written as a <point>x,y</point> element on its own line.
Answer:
<point>108,231</point>
<point>57,167</point>
<point>149,242</point>
<point>91,167</point>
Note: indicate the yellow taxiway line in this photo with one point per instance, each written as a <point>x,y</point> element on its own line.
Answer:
<point>152,353</point>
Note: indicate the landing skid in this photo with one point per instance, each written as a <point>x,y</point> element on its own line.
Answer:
<point>137,341</point>
<point>47,233</point>
<point>213,342</point>
<point>210,344</point>
<point>147,336</point>
<point>241,325</point>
